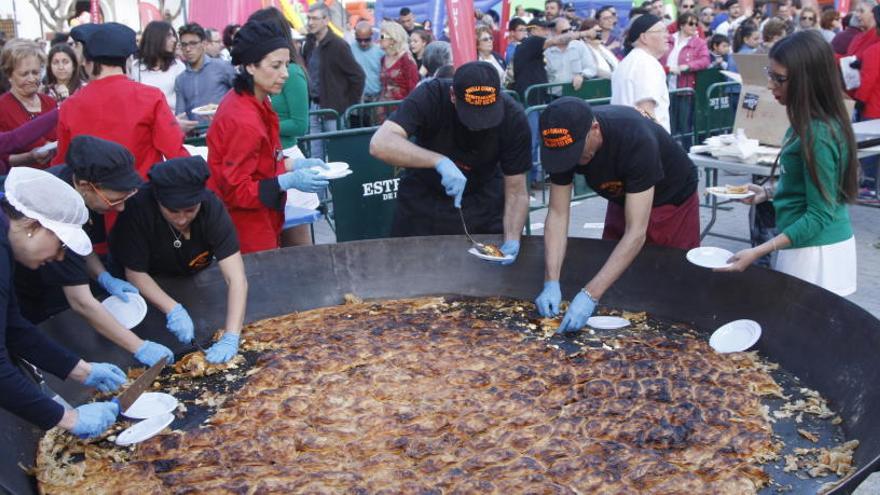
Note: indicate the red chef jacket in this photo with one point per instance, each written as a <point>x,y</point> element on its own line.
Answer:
<point>126,112</point>
<point>244,154</point>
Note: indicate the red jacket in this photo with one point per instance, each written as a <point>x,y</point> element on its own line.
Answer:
<point>869,90</point>
<point>244,153</point>
<point>124,111</point>
<point>13,115</point>
<point>695,54</point>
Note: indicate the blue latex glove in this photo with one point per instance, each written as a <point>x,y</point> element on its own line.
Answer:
<point>224,349</point>
<point>150,352</point>
<point>549,299</point>
<point>181,325</point>
<point>116,287</point>
<point>508,248</point>
<point>579,311</point>
<point>304,163</point>
<point>105,377</point>
<point>92,419</point>
<point>304,179</point>
<point>452,179</point>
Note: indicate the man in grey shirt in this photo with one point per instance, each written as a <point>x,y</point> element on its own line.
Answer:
<point>206,79</point>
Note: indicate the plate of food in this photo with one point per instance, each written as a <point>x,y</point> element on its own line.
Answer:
<point>709,257</point>
<point>206,110</point>
<point>489,252</point>
<point>731,191</point>
<point>736,336</point>
<point>335,170</point>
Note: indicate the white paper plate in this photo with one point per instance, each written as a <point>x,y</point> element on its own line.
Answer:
<point>144,430</point>
<point>722,193</point>
<point>736,336</point>
<point>336,170</point>
<point>51,145</point>
<point>151,404</point>
<point>486,257</point>
<point>607,322</point>
<point>709,257</point>
<point>203,111</point>
<point>128,314</point>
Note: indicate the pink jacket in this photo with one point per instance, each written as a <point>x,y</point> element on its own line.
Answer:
<point>695,54</point>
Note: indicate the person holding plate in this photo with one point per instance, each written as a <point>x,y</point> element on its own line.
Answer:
<point>469,158</point>
<point>41,219</point>
<point>630,160</point>
<point>175,227</point>
<point>103,173</point>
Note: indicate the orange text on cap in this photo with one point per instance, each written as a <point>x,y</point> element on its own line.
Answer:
<point>480,95</point>
<point>557,137</point>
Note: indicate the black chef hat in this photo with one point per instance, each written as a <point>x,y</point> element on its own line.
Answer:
<point>102,162</point>
<point>255,39</point>
<point>564,125</point>
<point>642,23</point>
<point>109,40</point>
<point>478,95</point>
<point>180,182</point>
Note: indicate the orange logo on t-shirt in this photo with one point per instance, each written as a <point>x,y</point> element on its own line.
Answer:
<point>614,188</point>
<point>201,261</point>
<point>557,137</point>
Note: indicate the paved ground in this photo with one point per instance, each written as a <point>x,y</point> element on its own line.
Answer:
<point>587,217</point>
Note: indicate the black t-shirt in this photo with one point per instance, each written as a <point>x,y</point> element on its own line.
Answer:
<point>429,115</point>
<point>636,154</point>
<point>528,66</point>
<point>142,240</point>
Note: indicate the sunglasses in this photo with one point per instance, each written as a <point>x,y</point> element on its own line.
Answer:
<point>689,6</point>
<point>363,40</point>
<point>691,23</point>
<point>779,79</point>
<point>106,200</point>
<point>486,38</point>
<point>811,19</point>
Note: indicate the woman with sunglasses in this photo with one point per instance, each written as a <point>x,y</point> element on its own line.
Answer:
<point>486,51</point>
<point>41,221</point>
<point>398,73</point>
<point>808,19</point>
<point>689,53</point>
<point>818,170</point>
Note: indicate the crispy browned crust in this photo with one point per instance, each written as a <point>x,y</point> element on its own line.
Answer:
<point>413,395</point>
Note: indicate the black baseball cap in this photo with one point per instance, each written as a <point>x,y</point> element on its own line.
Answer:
<point>540,23</point>
<point>564,125</point>
<point>102,162</point>
<point>180,182</point>
<point>478,97</point>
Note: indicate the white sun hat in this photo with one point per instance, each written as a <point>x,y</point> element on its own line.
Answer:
<point>53,203</point>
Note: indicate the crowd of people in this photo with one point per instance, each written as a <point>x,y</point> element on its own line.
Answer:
<point>103,198</point>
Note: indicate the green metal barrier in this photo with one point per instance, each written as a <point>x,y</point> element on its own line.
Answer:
<point>720,109</point>
<point>199,136</point>
<point>513,94</point>
<point>363,203</point>
<point>590,89</point>
<point>704,79</point>
<point>372,108</point>
<point>681,116</point>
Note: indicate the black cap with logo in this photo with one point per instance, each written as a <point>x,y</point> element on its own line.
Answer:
<point>478,98</point>
<point>564,125</point>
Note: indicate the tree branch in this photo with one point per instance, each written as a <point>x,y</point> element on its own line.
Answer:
<point>52,19</point>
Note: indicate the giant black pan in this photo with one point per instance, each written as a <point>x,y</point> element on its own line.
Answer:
<point>830,343</point>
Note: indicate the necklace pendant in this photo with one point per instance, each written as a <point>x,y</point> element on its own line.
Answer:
<point>177,244</point>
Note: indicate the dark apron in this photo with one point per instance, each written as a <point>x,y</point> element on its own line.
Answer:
<point>423,208</point>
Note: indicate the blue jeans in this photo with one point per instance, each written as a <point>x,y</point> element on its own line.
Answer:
<point>317,124</point>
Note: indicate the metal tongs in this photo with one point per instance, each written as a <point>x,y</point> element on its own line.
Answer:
<point>481,248</point>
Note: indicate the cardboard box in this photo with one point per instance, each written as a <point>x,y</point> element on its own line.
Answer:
<point>758,113</point>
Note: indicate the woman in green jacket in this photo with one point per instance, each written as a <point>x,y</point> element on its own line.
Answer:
<point>818,170</point>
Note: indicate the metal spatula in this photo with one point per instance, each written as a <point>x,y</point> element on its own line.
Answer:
<point>480,246</point>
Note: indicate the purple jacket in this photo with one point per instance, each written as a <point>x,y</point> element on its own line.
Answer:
<point>20,138</point>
